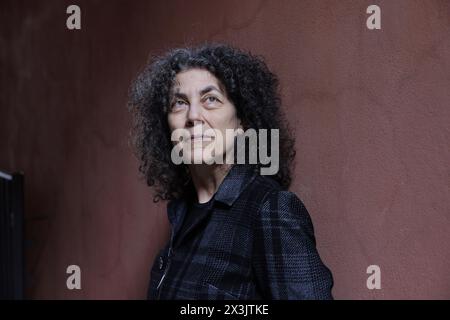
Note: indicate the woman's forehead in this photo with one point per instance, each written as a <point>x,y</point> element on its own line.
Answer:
<point>195,79</point>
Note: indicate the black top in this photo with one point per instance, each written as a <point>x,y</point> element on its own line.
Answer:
<point>196,211</point>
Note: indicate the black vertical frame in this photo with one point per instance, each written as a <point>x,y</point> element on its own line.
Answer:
<point>12,237</point>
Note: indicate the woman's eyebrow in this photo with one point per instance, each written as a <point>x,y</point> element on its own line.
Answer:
<point>208,89</point>
<point>180,95</point>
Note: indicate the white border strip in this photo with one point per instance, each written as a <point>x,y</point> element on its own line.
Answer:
<point>5,176</point>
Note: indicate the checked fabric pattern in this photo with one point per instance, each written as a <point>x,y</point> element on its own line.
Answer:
<point>255,242</point>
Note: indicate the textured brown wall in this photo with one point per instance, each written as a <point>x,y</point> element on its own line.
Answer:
<point>371,110</point>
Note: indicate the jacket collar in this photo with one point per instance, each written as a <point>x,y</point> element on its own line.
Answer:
<point>234,183</point>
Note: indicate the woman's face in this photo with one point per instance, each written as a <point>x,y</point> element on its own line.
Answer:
<point>198,104</point>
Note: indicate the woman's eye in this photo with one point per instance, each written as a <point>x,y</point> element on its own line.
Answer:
<point>178,104</point>
<point>211,99</point>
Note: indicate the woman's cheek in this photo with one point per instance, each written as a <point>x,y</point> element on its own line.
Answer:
<point>175,122</point>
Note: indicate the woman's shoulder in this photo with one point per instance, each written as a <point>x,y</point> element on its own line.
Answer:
<point>273,190</point>
<point>284,202</point>
<point>273,193</point>
<point>267,183</point>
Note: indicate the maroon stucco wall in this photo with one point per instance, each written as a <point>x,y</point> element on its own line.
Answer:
<point>371,110</point>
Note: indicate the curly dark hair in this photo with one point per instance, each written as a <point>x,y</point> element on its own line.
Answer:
<point>250,86</point>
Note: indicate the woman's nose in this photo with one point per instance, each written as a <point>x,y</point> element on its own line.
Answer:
<point>194,114</point>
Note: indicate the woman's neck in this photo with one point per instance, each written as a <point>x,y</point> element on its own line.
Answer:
<point>207,179</point>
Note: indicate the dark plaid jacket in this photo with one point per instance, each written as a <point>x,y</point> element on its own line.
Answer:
<point>256,242</point>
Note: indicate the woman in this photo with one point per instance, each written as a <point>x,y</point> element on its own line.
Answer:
<point>236,234</point>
